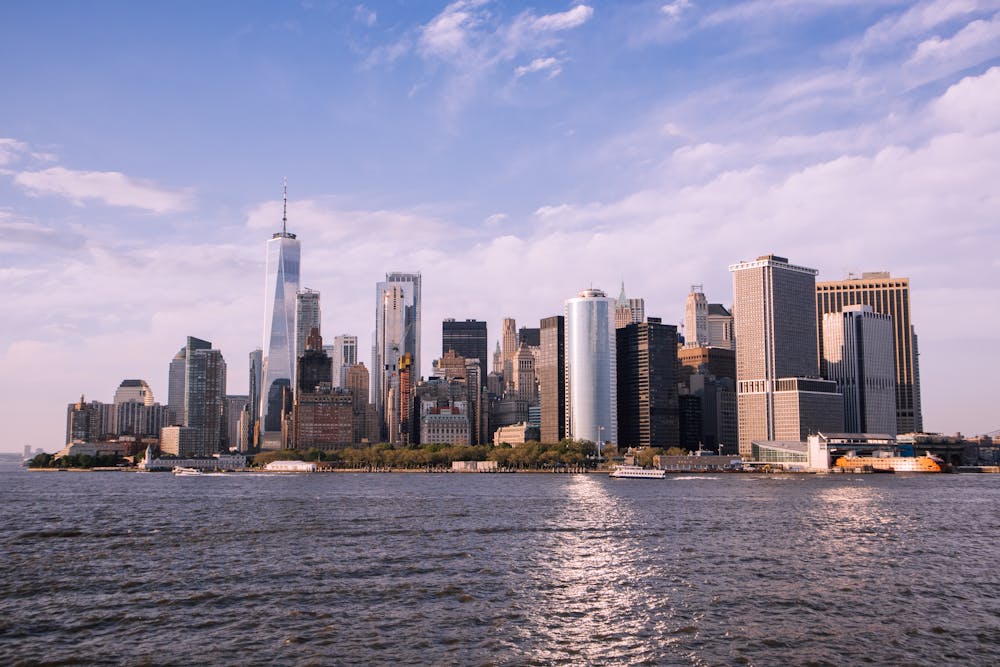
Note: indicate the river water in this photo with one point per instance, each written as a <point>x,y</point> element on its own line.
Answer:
<point>152,569</point>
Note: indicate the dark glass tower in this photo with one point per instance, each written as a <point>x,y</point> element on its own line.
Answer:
<point>648,413</point>
<point>468,338</point>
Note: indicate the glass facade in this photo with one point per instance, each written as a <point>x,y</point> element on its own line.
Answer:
<point>591,368</point>
<point>890,296</point>
<point>397,332</point>
<point>281,284</point>
<point>467,338</point>
<point>552,378</point>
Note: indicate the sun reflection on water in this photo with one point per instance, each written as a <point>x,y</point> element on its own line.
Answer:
<point>593,605</point>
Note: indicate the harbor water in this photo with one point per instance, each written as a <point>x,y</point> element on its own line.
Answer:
<point>517,569</point>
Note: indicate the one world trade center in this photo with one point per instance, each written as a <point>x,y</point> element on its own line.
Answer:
<point>281,283</point>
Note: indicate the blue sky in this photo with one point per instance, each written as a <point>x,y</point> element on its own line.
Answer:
<point>514,153</point>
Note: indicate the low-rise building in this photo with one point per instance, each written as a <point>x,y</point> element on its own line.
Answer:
<point>217,462</point>
<point>516,434</point>
<point>474,466</point>
<point>290,466</point>
<point>445,425</point>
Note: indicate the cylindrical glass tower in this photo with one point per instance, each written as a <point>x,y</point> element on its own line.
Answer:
<point>591,368</point>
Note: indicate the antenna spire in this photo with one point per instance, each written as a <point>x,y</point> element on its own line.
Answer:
<point>284,210</point>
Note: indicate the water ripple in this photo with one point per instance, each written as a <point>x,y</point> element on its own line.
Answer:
<point>116,568</point>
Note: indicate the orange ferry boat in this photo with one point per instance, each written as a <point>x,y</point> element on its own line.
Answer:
<point>926,463</point>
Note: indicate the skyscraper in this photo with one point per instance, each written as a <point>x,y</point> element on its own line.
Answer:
<point>397,332</point>
<point>313,367</point>
<point>647,386</point>
<point>629,311</point>
<point>591,368</point>
<point>469,339</point>
<point>281,284</point>
<point>720,327</point>
<point>529,336</point>
<point>858,356</point>
<point>307,318</point>
<point>136,391</point>
<point>552,378</point>
<point>344,353</point>
<point>508,336</point>
<point>889,296</point>
<point>177,380</point>
<point>204,396</point>
<point>524,375</point>
<point>256,368</point>
<point>366,428</point>
<point>696,318</point>
<point>779,393</point>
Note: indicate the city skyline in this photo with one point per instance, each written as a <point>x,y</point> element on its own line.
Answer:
<point>654,144</point>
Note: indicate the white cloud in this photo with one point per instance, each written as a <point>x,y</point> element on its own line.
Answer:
<point>10,150</point>
<point>974,43</point>
<point>111,187</point>
<point>448,33</point>
<point>573,18</point>
<point>674,9</point>
<point>552,65</point>
<point>783,10</point>
<point>918,20</point>
<point>365,15</point>
<point>972,105</point>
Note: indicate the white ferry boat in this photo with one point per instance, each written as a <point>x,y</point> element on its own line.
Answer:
<point>637,472</point>
<point>179,470</point>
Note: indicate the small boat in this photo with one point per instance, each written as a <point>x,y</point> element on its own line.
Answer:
<point>637,472</point>
<point>186,472</point>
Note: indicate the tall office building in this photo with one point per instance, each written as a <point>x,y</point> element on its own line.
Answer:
<point>204,397</point>
<point>322,417</point>
<point>232,417</point>
<point>720,327</point>
<point>344,353</point>
<point>647,386</point>
<point>524,375</point>
<point>468,338</point>
<point>134,391</point>
<point>307,318</point>
<point>858,356</point>
<point>629,311</point>
<point>256,368</point>
<point>696,318</point>
<point>314,365</point>
<point>177,380</point>
<point>552,378</point>
<point>529,336</point>
<point>779,393</point>
<point>889,296</point>
<point>397,333</point>
<point>716,361</point>
<point>281,284</point>
<point>366,428</point>
<point>591,368</point>
<point>508,337</point>
<point>130,391</point>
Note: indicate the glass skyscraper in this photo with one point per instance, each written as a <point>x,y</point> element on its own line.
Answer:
<point>467,338</point>
<point>591,368</point>
<point>281,284</point>
<point>397,331</point>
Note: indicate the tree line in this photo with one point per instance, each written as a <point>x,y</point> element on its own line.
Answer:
<point>75,461</point>
<point>529,456</point>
